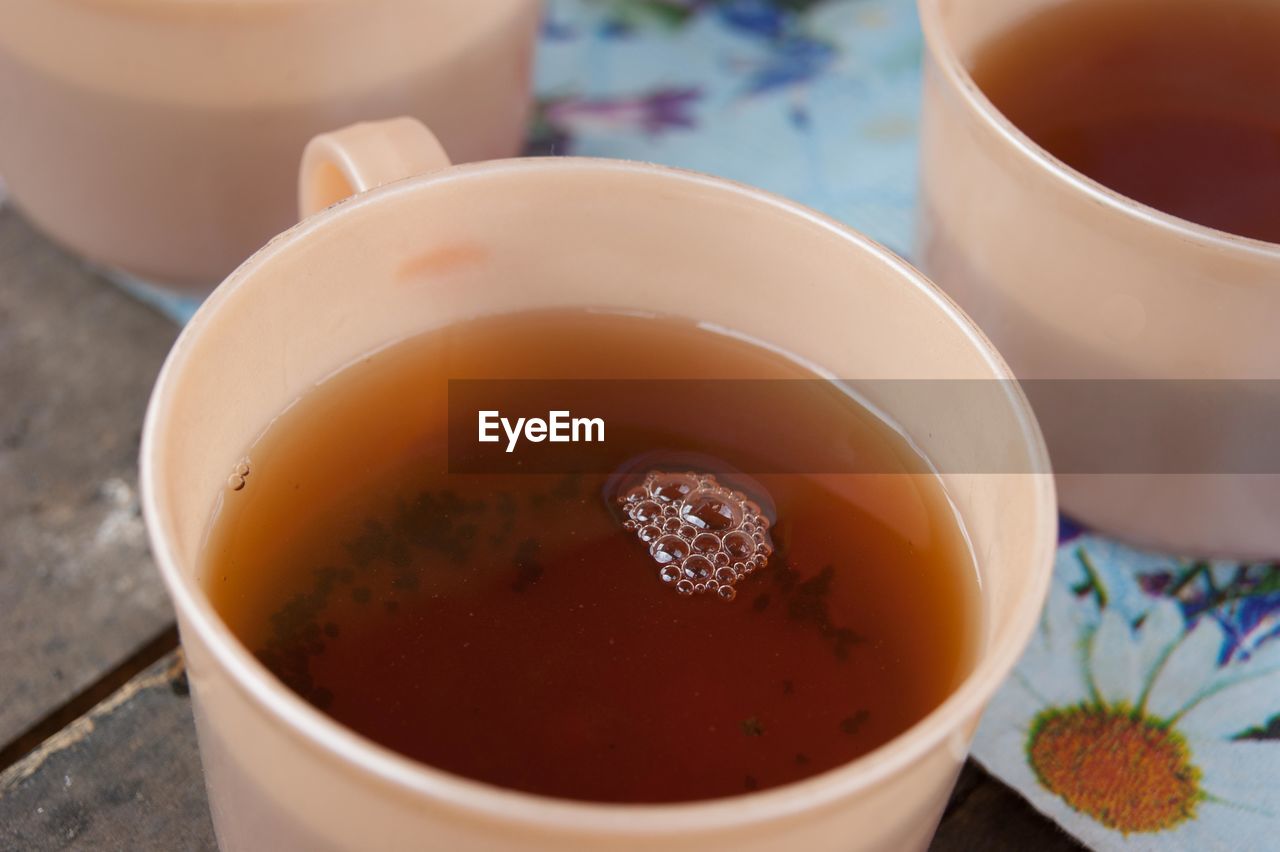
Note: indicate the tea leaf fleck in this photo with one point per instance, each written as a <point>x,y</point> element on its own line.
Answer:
<point>851,724</point>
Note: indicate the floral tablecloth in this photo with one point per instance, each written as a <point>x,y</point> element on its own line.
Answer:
<point>1146,713</point>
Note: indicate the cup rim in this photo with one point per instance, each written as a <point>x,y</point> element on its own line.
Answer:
<point>939,46</point>
<point>411,778</point>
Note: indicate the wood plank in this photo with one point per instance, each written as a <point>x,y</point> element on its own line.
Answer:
<point>124,776</point>
<point>78,593</point>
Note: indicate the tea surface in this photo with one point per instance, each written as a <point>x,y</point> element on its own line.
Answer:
<point>1174,103</point>
<point>511,628</point>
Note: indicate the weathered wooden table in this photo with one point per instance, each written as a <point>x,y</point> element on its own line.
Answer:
<point>97,748</point>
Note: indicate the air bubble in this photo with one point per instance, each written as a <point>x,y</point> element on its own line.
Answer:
<point>645,511</point>
<point>235,482</point>
<point>705,536</point>
<point>669,548</point>
<point>698,567</point>
<point>709,510</point>
<point>705,543</point>
<point>739,545</point>
<point>669,487</point>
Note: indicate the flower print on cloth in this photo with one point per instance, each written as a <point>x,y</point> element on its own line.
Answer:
<point>1244,599</point>
<point>649,114</point>
<point>815,100</point>
<point>1137,718</point>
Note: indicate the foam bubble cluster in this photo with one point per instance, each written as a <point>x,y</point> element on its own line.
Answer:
<point>704,536</point>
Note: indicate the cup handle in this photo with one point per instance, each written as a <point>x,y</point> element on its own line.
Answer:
<point>341,163</point>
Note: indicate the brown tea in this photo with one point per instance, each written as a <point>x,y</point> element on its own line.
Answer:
<point>658,633</point>
<point>1174,103</point>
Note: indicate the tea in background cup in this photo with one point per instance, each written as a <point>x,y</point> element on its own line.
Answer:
<point>1077,161</point>
<point>496,251</point>
<point>159,138</point>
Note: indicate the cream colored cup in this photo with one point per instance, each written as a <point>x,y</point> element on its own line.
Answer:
<point>1073,281</point>
<point>523,234</point>
<point>159,138</point>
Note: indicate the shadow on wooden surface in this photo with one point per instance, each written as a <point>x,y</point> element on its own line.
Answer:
<point>124,776</point>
